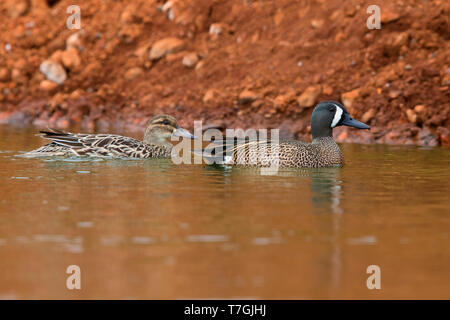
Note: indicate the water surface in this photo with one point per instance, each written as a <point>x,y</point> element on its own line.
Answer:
<point>152,229</point>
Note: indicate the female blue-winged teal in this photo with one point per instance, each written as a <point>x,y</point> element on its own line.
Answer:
<point>322,152</point>
<point>155,144</point>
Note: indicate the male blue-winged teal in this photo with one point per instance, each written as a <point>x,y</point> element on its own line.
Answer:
<point>323,151</point>
<point>155,144</point>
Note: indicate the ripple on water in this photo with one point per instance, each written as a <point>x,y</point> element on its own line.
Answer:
<point>367,240</point>
<point>207,238</point>
<point>142,240</point>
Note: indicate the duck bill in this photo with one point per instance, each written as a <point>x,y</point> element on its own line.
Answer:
<point>180,132</point>
<point>349,121</point>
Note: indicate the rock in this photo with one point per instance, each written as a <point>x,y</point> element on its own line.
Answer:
<point>200,65</point>
<point>317,23</point>
<point>427,138</point>
<point>368,115</point>
<point>166,46</point>
<point>210,96</point>
<point>190,60</point>
<point>394,94</point>
<point>5,75</point>
<point>142,52</point>
<point>445,80</point>
<point>53,71</point>
<point>217,28</point>
<point>278,17</point>
<point>74,40</point>
<point>327,90</point>
<point>70,58</point>
<point>18,8</point>
<point>47,85</point>
<point>388,15</point>
<point>175,56</point>
<point>444,136</point>
<point>247,96</point>
<point>420,108</point>
<point>348,98</point>
<point>411,115</point>
<point>133,73</point>
<point>57,56</point>
<point>63,123</point>
<point>309,96</point>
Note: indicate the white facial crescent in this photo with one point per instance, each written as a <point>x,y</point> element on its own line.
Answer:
<point>337,116</point>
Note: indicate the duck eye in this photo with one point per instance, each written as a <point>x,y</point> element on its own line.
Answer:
<point>332,110</point>
<point>166,122</point>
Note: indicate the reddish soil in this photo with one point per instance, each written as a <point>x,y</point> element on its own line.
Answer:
<point>236,63</point>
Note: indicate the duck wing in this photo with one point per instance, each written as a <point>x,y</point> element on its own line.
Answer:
<point>99,145</point>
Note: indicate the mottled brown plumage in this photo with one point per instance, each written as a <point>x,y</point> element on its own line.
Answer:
<point>155,144</point>
<point>322,152</point>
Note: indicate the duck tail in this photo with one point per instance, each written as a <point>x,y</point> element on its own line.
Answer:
<point>61,138</point>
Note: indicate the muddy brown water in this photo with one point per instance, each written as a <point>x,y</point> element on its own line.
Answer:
<point>152,229</point>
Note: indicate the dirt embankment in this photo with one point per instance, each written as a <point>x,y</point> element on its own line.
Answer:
<point>236,63</point>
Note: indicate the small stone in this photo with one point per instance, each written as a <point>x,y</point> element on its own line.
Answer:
<point>200,65</point>
<point>166,46</point>
<point>74,41</point>
<point>309,96</point>
<point>209,96</point>
<point>133,73</point>
<point>53,71</point>
<point>427,138</point>
<point>76,94</point>
<point>317,23</point>
<point>217,28</point>
<point>368,115</point>
<point>142,52</point>
<point>420,108</point>
<point>389,16</point>
<point>18,8</point>
<point>190,60</point>
<point>445,80</point>
<point>57,56</point>
<point>47,85</point>
<point>247,96</point>
<point>70,58</point>
<point>327,90</point>
<point>394,94</point>
<point>5,75</point>
<point>348,98</point>
<point>411,115</point>
<point>278,18</point>
<point>444,136</point>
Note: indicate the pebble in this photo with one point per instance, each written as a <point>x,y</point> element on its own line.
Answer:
<point>133,73</point>
<point>411,115</point>
<point>47,85</point>
<point>53,71</point>
<point>18,8</point>
<point>5,75</point>
<point>165,46</point>
<point>309,97</point>
<point>368,115</point>
<point>190,60</point>
<point>216,28</point>
<point>247,96</point>
<point>70,58</point>
<point>348,98</point>
<point>74,41</point>
<point>209,96</point>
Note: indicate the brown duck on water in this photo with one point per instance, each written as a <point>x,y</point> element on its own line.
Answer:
<point>156,142</point>
<point>323,151</point>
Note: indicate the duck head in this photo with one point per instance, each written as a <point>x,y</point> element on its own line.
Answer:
<point>330,114</point>
<point>163,127</point>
